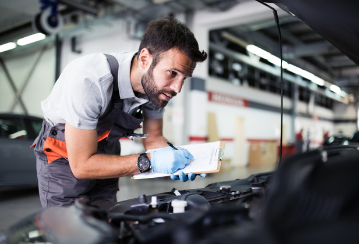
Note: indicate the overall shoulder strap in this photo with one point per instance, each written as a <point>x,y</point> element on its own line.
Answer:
<point>112,61</point>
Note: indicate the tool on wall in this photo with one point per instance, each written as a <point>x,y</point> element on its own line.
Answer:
<point>49,20</point>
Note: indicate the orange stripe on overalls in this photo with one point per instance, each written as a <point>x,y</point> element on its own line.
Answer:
<point>55,149</point>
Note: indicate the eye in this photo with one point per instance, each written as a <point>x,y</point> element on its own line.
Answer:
<point>173,73</point>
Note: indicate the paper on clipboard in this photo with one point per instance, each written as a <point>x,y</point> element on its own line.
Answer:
<point>207,158</point>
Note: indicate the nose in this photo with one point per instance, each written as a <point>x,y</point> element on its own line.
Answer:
<point>176,85</point>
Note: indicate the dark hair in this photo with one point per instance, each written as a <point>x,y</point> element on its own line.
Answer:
<point>164,34</point>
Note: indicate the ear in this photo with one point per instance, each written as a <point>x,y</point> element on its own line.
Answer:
<point>144,59</point>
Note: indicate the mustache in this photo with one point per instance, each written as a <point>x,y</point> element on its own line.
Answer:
<point>170,92</point>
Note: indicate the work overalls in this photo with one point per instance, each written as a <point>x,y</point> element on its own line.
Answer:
<point>57,184</point>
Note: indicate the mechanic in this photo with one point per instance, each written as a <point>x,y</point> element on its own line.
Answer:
<point>89,110</point>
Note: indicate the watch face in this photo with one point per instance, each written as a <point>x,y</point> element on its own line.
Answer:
<point>143,163</point>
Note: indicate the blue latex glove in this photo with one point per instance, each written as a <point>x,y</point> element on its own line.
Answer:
<point>168,160</point>
<point>183,177</point>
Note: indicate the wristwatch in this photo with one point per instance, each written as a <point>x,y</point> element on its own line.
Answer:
<point>143,163</point>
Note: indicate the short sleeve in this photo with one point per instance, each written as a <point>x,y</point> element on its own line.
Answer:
<point>86,93</point>
<point>152,111</point>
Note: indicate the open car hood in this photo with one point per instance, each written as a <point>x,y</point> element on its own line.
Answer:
<point>336,21</point>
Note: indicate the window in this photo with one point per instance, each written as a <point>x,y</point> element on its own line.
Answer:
<point>263,79</point>
<point>323,101</point>
<point>12,128</point>
<point>236,72</point>
<point>304,94</point>
<point>251,79</point>
<point>240,73</point>
<point>218,65</point>
<point>36,125</point>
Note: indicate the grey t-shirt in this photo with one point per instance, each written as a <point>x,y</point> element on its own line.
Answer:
<point>84,89</point>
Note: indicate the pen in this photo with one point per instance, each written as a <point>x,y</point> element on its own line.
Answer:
<point>170,144</point>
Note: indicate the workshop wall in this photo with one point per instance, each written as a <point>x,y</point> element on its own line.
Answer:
<point>105,38</point>
<point>38,86</point>
<point>261,124</point>
<point>345,117</point>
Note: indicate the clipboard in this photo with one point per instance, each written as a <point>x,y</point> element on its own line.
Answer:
<point>207,159</point>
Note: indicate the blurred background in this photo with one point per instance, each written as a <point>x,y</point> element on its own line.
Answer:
<point>234,96</point>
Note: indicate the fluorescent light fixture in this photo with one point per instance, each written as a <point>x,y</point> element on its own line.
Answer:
<point>7,46</point>
<point>266,55</point>
<point>30,39</point>
<point>307,75</point>
<point>258,51</point>
<point>274,60</point>
<point>292,68</point>
<point>343,94</point>
<point>335,89</point>
<point>318,81</point>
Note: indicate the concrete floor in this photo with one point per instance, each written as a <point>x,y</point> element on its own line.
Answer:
<point>16,204</point>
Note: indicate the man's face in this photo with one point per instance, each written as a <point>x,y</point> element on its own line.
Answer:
<point>165,80</point>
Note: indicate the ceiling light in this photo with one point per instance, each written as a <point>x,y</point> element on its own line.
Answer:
<point>294,69</point>
<point>258,51</point>
<point>31,39</point>
<point>7,46</point>
<point>276,61</point>
<point>318,81</point>
<point>335,89</point>
<point>307,75</point>
<point>266,55</point>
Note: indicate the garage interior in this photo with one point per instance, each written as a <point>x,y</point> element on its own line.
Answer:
<point>234,96</point>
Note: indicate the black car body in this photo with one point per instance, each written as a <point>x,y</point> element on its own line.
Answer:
<point>17,159</point>
<point>311,198</point>
<point>354,138</point>
<point>336,140</point>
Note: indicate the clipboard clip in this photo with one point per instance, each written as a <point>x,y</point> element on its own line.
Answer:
<point>220,153</point>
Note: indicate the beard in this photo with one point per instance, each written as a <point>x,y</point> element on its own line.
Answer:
<point>152,91</point>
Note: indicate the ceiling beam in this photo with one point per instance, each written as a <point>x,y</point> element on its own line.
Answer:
<point>288,36</point>
<point>305,50</point>
<point>342,63</point>
<point>265,24</point>
<point>349,71</point>
<point>79,6</point>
